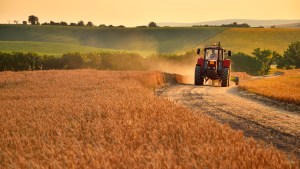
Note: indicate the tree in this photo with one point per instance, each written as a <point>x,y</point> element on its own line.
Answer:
<point>53,23</point>
<point>72,61</point>
<point>265,58</point>
<point>121,26</point>
<point>90,23</point>
<point>24,22</point>
<point>291,57</point>
<point>152,24</point>
<point>33,20</point>
<point>294,53</point>
<point>51,62</point>
<point>62,23</point>
<point>73,24</point>
<point>275,57</point>
<point>242,62</point>
<point>102,25</point>
<point>16,21</point>
<point>281,63</point>
<point>80,23</point>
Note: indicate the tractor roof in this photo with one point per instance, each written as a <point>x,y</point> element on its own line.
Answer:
<point>214,47</point>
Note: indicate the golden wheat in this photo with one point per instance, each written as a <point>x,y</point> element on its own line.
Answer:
<point>285,88</point>
<point>101,119</point>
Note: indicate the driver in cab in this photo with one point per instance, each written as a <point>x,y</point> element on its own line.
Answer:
<point>213,56</point>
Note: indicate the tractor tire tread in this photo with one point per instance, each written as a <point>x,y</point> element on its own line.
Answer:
<point>225,77</point>
<point>198,77</point>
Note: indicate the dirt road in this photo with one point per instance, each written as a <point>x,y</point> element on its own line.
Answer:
<point>259,118</point>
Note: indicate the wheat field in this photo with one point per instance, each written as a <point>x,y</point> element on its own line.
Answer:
<point>284,88</point>
<point>102,119</point>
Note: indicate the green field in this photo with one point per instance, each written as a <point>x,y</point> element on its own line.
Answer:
<point>56,40</point>
<point>46,48</point>
<point>247,39</point>
<point>154,40</point>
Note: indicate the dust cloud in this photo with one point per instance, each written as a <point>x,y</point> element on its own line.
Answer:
<point>186,71</point>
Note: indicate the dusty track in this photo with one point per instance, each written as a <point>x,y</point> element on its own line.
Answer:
<point>258,118</point>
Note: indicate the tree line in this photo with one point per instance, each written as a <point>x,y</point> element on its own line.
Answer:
<point>261,60</point>
<point>234,24</point>
<point>20,61</point>
<point>34,20</point>
<point>259,63</point>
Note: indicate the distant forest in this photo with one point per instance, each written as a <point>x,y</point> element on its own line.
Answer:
<point>34,20</point>
<point>234,24</point>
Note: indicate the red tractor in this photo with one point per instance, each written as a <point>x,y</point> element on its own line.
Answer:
<point>213,66</point>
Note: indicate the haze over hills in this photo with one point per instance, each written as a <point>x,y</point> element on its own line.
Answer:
<point>251,22</point>
<point>56,40</point>
<point>292,25</point>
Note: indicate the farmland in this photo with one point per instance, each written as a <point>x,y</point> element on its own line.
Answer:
<point>46,48</point>
<point>145,41</point>
<point>161,40</point>
<point>285,88</point>
<point>89,118</point>
<point>245,40</point>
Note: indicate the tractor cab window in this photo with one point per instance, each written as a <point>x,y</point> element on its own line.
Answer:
<point>211,54</point>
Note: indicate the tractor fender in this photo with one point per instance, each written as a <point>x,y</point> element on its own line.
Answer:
<point>226,63</point>
<point>200,62</point>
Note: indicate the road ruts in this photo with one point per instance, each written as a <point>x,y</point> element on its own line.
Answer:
<point>262,121</point>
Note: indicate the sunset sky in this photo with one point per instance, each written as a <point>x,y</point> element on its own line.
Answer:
<point>141,12</point>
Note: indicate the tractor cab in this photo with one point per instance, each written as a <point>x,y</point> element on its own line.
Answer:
<point>211,54</point>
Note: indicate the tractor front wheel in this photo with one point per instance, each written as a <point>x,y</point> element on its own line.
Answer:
<point>198,76</point>
<point>225,77</point>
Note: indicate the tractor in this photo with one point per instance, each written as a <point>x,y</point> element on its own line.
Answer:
<point>213,66</point>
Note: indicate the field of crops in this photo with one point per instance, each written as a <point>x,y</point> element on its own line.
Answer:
<point>161,40</point>
<point>47,48</point>
<point>284,88</point>
<point>89,118</point>
<point>146,41</point>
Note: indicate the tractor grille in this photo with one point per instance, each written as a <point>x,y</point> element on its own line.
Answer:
<point>212,74</point>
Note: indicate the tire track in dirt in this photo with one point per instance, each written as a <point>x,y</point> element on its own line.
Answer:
<point>262,121</point>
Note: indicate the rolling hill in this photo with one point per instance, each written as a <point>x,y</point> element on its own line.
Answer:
<point>56,40</point>
<point>251,22</point>
<point>291,25</point>
<point>245,40</point>
<point>48,48</point>
<point>160,40</point>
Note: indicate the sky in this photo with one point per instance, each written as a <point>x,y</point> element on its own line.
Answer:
<point>141,12</point>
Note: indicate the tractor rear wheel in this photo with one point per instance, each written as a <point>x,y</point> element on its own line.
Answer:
<point>225,77</point>
<point>198,76</point>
